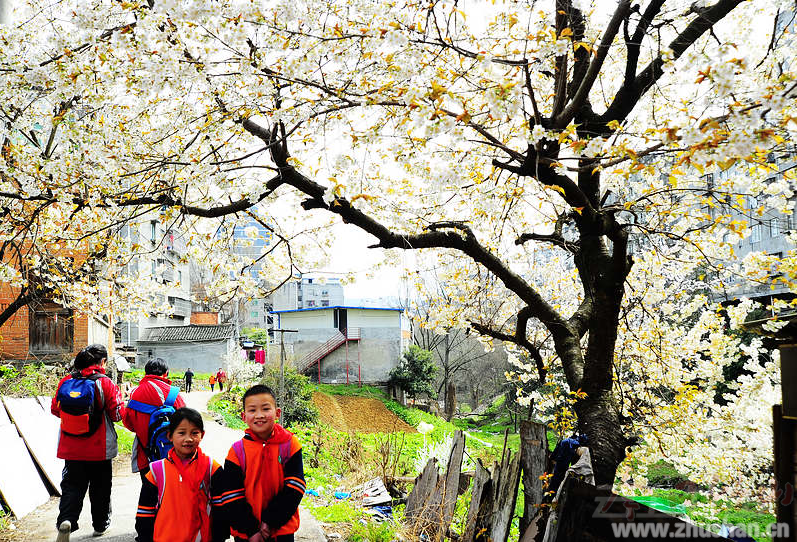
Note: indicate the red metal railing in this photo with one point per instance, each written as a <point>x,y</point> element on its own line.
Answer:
<point>334,342</point>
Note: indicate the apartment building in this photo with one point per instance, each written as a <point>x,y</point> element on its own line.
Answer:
<point>160,260</point>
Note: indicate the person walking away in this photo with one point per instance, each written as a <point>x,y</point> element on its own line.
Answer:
<point>88,402</point>
<point>221,378</point>
<point>212,381</point>
<point>189,379</point>
<point>181,495</point>
<point>264,474</point>
<point>153,391</point>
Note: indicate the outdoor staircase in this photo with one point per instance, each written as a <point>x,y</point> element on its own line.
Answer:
<point>336,341</point>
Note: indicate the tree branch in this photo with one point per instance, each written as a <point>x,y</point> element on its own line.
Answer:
<point>562,119</point>
<point>629,94</point>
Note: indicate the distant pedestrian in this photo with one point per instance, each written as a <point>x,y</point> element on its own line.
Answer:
<point>221,378</point>
<point>212,381</point>
<point>88,402</point>
<point>189,379</point>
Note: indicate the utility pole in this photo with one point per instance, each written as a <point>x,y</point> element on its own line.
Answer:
<point>282,332</point>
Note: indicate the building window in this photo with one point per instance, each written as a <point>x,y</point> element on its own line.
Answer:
<point>179,276</point>
<point>153,231</point>
<point>709,180</point>
<point>325,302</point>
<point>311,303</point>
<point>774,227</point>
<point>755,235</point>
<point>51,329</point>
<point>324,293</point>
<point>154,267</point>
<point>255,314</point>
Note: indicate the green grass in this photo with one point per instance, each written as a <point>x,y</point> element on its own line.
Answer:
<point>728,513</point>
<point>372,532</point>
<point>352,390</point>
<point>229,410</point>
<point>337,512</point>
<point>5,520</point>
<point>664,474</point>
<point>125,439</point>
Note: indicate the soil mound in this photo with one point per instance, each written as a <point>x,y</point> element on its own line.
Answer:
<point>358,414</point>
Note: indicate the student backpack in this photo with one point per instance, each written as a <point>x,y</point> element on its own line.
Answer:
<point>158,443</point>
<point>77,399</point>
<point>284,453</point>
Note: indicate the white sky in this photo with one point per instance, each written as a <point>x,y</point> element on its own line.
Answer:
<point>350,255</point>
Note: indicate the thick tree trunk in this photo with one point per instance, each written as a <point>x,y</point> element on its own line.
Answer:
<point>599,419</point>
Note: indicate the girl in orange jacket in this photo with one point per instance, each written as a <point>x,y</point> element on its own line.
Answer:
<point>181,496</point>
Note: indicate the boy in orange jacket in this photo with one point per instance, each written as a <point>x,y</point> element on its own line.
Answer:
<point>264,474</point>
<point>181,496</point>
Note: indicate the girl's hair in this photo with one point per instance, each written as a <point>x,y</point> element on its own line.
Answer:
<point>83,360</point>
<point>184,413</point>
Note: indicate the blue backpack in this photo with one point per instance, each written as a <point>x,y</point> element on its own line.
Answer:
<point>158,443</point>
<point>77,399</point>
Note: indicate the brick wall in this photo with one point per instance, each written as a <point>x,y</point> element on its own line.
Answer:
<point>205,318</point>
<point>14,340</point>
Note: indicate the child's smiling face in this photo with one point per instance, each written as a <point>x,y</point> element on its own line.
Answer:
<point>260,414</point>
<point>186,439</point>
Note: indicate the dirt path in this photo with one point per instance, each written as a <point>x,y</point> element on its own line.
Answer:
<point>40,524</point>
<point>358,414</point>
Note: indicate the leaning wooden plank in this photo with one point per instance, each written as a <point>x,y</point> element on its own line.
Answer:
<point>22,406</point>
<point>451,482</point>
<point>40,432</point>
<point>505,498</point>
<point>533,458</point>
<point>481,480</point>
<point>588,513</point>
<point>44,402</point>
<point>424,500</point>
<point>20,484</point>
<point>4,419</point>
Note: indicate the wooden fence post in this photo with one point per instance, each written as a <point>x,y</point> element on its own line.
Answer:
<point>505,496</point>
<point>533,458</point>
<point>430,505</point>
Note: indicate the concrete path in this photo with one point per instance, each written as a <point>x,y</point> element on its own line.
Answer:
<point>40,524</point>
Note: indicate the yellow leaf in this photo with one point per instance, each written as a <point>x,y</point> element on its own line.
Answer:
<point>578,209</point>
<point>366,197</point>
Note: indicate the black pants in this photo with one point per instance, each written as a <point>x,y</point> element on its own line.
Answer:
<point>77,477</point>
<point>221,386</point>
<point>188,385</point>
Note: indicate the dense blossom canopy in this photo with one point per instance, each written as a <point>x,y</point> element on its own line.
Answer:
<point>551,152</point>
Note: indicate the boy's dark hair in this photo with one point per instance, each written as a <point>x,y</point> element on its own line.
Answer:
<point>83,360</point>
<point>97,352</point>
<point>185,413</point>
<point>258,389</point>
<point>156,367</point>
